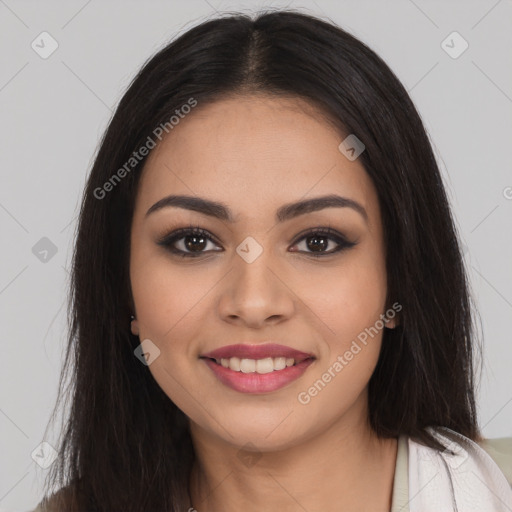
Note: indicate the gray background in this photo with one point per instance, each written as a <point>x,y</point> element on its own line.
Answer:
<point>54,110</point>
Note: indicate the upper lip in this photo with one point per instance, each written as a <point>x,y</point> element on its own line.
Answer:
<point>261,351</point>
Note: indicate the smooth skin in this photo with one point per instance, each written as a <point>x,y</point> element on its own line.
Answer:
<point>256,153</point>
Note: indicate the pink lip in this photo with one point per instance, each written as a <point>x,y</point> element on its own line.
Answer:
<point>256,352</point>
<point>256,382</point>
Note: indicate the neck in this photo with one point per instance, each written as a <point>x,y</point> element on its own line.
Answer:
<point>345,468</point>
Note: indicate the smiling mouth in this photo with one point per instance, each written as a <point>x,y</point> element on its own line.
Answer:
<point>260,366</point>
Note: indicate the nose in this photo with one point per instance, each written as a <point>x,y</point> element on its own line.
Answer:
<point>255,294</point>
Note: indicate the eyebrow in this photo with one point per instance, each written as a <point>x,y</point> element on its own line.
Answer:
<point>286,212</point>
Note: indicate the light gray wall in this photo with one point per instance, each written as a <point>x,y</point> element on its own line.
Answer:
<point>54,110</point>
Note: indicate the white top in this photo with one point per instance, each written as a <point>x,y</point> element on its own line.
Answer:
<point>466,477</point>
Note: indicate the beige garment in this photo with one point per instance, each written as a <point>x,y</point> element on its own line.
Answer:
<point>499,449</point>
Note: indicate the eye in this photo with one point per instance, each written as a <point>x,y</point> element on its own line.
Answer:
<point>194,241</point>
<point>188,242</point>
<point>316,242</point>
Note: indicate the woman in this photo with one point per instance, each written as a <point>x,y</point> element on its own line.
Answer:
<point>270,309</point>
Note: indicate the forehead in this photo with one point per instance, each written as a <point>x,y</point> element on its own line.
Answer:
<point>252,152</point>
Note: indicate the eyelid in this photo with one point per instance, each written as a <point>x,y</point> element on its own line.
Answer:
<point>186,230</point>
<point>327,231</point>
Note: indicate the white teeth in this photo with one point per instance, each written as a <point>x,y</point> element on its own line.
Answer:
<point>280,363</point>
<point>265,365</point>
<point>234,364</point>
<point>262,366</point>
<point>247,365</point>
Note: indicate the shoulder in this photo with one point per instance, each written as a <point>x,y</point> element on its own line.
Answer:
<point>500,451</point>
<point>459,471</point>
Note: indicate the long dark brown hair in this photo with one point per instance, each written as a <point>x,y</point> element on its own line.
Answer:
<point>126,446</point>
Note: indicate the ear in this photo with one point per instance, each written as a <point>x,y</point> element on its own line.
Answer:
<point>134,327</point>
<point>393,316</point>
<point>392,323</point>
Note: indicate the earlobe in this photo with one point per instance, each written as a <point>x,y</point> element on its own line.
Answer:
<point>392,316</point>
<point>392,323</point>
<point>135,327</point>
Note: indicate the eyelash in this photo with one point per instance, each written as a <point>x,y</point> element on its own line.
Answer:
<point>168,240</point>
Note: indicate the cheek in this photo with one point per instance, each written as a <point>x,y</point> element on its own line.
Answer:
<point>168,311</point>
<point>166,298</point>
<point>351,307</point>
<point>347,298</point>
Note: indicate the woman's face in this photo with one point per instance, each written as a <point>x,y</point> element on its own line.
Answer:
<point>257,279</point>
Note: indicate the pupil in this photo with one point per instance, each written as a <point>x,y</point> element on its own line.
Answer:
<point>315,242</point>
<point>195,245</point>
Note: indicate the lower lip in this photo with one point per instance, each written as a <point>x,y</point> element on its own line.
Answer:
<point>258,382</point>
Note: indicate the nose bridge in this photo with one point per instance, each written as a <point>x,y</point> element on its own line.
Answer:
<point>254,292</point>
<point>251,272</point>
